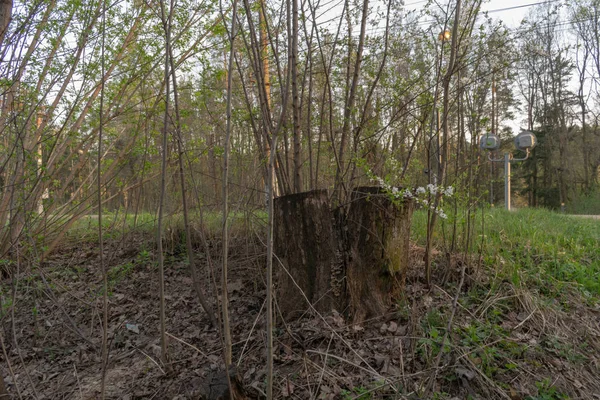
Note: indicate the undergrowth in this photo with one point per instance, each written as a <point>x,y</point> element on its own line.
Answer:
<point>116,225</point>
<point>585,204</point>
<point>536,267</point>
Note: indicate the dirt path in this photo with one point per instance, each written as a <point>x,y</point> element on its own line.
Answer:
<point>586,216</point>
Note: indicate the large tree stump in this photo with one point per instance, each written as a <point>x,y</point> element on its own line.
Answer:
<point>306,244</point>
<point>351,259</point>
<point>378,245</point>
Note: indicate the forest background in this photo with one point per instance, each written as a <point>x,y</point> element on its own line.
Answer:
<point>130,113</point>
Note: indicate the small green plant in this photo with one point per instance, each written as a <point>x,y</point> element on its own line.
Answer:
<point>143,257</point>
<point>358,392</point>
<point>547,392</point>
<point>430,346</point>
<point>6,302</point>
<point>568,351</point>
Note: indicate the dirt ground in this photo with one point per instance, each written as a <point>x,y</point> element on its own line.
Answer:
<point>54,343</point>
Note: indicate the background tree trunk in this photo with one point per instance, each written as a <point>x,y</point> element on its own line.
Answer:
<point>5,16</point>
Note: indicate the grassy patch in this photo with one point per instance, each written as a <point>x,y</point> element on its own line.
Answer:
<point>115,225</point>
<point>548,249</point>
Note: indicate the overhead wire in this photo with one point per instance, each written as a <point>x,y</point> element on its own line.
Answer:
<point>514,32</point>
<point>432,21</point>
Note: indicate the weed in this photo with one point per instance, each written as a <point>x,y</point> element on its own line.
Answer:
<point>359,392</point>
<point>547,392</point>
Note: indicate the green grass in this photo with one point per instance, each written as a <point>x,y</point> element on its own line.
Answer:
<point>116,224</point>
<point>585,204</point>
<point>547,248</point>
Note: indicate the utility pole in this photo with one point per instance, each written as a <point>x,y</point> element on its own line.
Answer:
<point>492,170</point>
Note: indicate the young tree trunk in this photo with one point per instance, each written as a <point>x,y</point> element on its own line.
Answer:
<point>5,15</point>
<point>296,100</point>
<point>166,18</point>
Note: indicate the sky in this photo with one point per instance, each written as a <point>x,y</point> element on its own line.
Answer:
<point>511,13</point>
<point>511,17</point>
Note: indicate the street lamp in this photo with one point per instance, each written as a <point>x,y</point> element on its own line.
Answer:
<point>444,35</point>
<point>524,141</point>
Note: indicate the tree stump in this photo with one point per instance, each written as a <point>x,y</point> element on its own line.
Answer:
<point>306,244</point>
<point>351,259</point>
<point>378,245</point>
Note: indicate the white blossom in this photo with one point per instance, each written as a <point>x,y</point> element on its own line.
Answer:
<point>420,190</point>
<point>432,188</point>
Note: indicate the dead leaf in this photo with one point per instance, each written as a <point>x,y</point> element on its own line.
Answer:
<point>464,373</point>
<point>338,319</point>
<point>133,328</point>
<point>249,373</point>
<point>235,286</point>
<point>427,301</point>
<point>380,359</point>
<point>393,327</point>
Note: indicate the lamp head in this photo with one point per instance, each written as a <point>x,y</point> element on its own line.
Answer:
<point>444,35</point>
<point>489,141</point>
<point>525,140</point>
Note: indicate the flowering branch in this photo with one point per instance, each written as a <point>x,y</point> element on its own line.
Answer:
<point>420,195</point>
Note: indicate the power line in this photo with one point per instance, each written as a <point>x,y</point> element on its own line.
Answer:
<point>520,6</point>
<point>431,21</point>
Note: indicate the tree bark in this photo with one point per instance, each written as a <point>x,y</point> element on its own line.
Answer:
<point>307,246</point>
<point>5,17</point>
<point>349,259</point>
<point>378,243</point>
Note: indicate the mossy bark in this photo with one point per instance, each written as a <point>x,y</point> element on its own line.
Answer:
<point>378,243</point>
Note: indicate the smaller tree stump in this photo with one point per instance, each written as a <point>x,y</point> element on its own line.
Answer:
<point>306,244</point>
